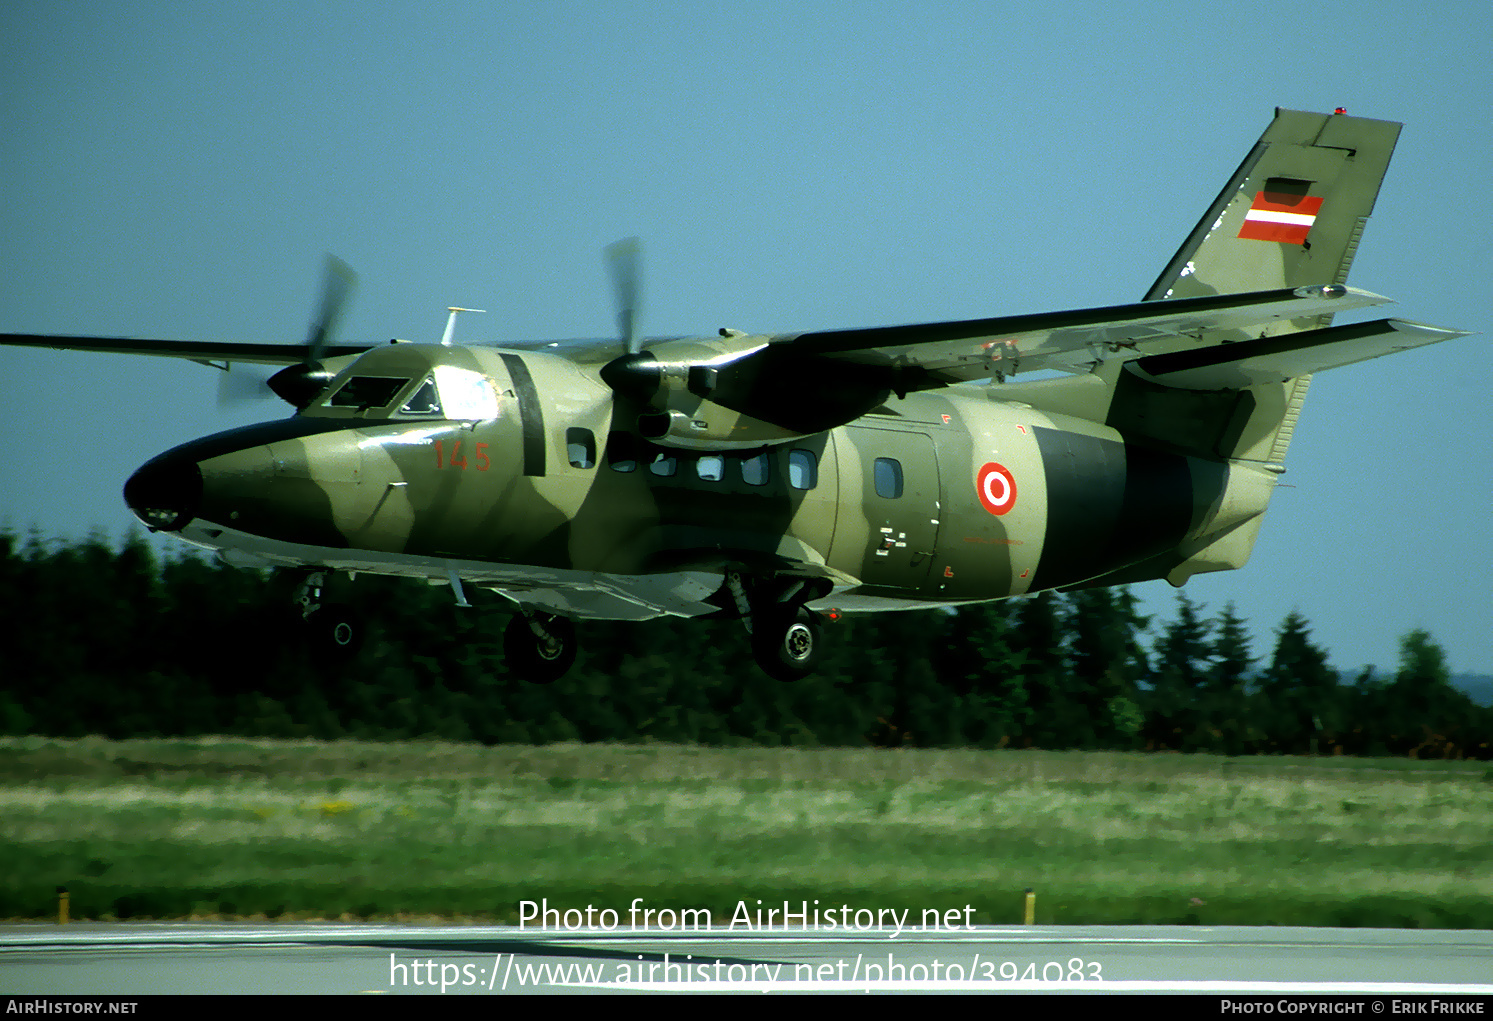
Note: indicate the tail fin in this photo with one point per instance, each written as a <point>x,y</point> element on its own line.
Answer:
<point>1293,212</point>
<point>1291,216</point>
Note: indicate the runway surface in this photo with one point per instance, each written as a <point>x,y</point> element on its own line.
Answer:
<point>123,959</point>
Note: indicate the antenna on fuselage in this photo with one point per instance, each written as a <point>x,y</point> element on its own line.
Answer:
<point>451,322</point>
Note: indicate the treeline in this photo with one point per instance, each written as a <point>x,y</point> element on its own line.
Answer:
<point>116,642</point>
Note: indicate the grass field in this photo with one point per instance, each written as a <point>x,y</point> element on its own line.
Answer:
<point>284,829</point>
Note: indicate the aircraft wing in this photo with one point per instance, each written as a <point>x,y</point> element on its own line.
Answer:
<point>941,353</point>
<point>584,350</point>
<point>205,351</point>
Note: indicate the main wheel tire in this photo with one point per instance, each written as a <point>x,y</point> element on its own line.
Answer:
<point>788,646</point>
<point>535,659</point>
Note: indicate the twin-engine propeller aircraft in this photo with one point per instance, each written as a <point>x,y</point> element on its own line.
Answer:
<point>770,477</point>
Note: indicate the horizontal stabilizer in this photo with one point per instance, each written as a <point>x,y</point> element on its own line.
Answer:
<point>1275,359</point>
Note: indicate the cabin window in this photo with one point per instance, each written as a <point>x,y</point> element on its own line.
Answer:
<point>754,470</point>
<point>711,467</point>
<point>803,469</point>
<point>365,392</point>
<point>664,465</point>
<point>622,453</point>
<point>424,401</point>
<point>580,445</point>
<point>888,478</point>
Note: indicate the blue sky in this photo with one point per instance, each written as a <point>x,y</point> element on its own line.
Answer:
<point>178,171</point>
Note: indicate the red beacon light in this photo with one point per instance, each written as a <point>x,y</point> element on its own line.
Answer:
<point>1341,109</point>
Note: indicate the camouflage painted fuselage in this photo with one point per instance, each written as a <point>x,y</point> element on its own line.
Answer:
<point>965,493</point>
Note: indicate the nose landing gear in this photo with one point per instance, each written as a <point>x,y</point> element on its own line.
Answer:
<point>336,629</point>
<point>539,647</point>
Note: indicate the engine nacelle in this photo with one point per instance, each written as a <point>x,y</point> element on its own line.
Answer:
<point>743,392</point>
<point>709,426</point>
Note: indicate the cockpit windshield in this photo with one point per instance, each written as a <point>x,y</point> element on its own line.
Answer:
<point>424,401</point>
<point>465,395</point>
<point>364,392</point>
<point>445,392</point>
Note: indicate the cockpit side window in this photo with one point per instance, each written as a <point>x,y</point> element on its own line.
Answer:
<point>365,392</point>
<point>424,401</point>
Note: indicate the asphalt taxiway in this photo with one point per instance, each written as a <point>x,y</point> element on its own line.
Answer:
<point>123,959</point>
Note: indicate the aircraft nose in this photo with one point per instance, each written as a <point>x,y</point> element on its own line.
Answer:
<point>165,492</point>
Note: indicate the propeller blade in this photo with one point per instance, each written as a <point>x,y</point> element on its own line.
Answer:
<point>337,284</point>
<point>242,383</point>
<point>624,259</point>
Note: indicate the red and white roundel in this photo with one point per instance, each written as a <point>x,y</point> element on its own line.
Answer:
<point>996,487</point>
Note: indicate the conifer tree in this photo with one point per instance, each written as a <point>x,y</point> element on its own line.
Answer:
<point>1106,662</point>
<point>1227,705</point>
<point>985,672</point>
<point>1298,693</point>
<point>1039,636</point>
<point>1429,714</point>
<point>1175,717</point>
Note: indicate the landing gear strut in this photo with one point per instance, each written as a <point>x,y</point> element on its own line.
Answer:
<point>539,647</point>
<point>308,595</point>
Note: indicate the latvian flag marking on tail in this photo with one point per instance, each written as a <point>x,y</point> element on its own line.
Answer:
<point>1280,216</point>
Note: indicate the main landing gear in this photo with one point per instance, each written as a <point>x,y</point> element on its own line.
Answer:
<point>786,635</point>
<point>540,647</point>
<point>787,643</point>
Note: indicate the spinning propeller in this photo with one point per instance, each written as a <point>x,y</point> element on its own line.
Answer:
<point>624,260</point>
<point>298,384</point>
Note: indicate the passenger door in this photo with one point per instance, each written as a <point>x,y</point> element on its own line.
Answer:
<point>899,503</point>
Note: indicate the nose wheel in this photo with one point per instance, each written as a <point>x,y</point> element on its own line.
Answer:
<point>539,647</point>
<point>336,630</point>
